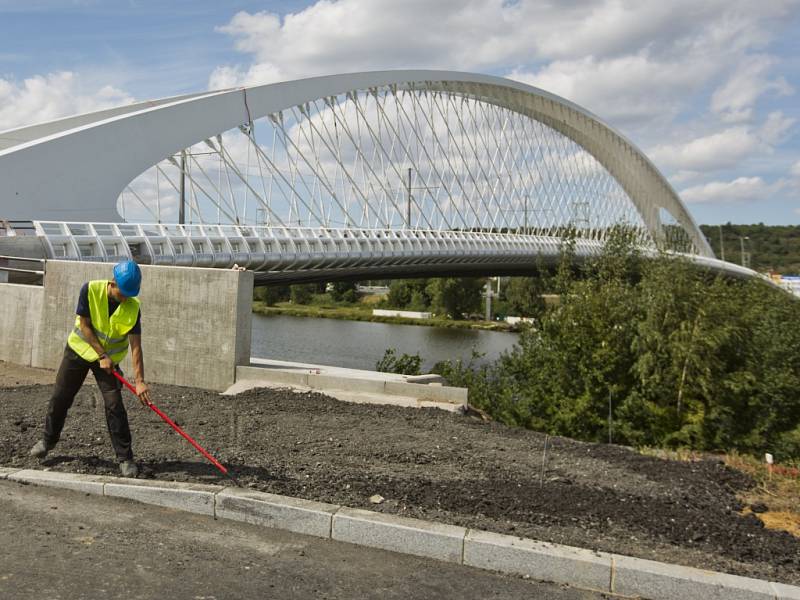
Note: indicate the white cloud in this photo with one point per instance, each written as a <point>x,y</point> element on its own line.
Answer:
<point>776,128</point>
<point>734,101</point>
<point>351,35</point>
<point>795,170</point>
<point>46,97</point>
<point>627,89</point>
<point>715,151</point>
<point>742,189</point>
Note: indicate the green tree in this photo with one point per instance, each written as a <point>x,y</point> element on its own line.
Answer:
<point>303,293</point>
<point>455,296</point>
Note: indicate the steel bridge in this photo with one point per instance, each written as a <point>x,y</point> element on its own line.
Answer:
<point>381,174</point>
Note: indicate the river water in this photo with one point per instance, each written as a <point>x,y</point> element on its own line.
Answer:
<point>360,344</point>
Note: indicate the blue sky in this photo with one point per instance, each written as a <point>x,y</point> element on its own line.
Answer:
<point>709,90</point>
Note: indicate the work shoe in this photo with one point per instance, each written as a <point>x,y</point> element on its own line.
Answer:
<point>128,468</point>
<point>40,449</point>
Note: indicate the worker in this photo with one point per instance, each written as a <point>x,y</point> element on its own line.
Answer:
<point>108,320</point>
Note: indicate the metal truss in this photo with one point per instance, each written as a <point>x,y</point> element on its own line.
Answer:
<point>395,159</point>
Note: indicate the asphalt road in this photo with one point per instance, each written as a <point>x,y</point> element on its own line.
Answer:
<point>59,544</point>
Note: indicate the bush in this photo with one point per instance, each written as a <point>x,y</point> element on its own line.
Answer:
<point>678,358</point>
<point>406,364</point>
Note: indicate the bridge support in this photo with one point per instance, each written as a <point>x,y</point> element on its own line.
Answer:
<point>195,322</point>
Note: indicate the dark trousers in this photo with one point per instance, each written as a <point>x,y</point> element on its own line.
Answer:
<point>71,374</point>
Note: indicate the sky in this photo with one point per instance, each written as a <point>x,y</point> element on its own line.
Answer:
<point>708,89</point>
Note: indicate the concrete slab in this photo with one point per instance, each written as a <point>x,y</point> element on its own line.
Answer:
<point>348,384</point>
<point>398,534</point>
<point>297,377</point>
<point>279,512</point>
<point>5,472</point>
<point>539,560</point>
<point>431,393</point>
<point>785,592</point>
<point>196,498</point>
<point>661,581</point>
<point>89,484</point>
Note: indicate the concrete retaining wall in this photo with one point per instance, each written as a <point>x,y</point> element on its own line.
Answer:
<point>20,317</point>
<point>195,322</point>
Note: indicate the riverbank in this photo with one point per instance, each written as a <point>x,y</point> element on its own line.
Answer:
<point>364,313</point>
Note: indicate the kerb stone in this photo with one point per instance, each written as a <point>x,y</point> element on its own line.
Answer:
<point>196,498</point>
<point>539,560</point>
<point>661,581</point>
<point>90,484</point>
<point>279,512</point>
<point>785,592</point>
<point>5,472</point>
<point>399,534</point>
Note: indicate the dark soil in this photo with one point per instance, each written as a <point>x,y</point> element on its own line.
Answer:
<point>427,464</point>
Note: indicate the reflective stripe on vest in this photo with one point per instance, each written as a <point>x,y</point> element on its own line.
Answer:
<point>111,330</point>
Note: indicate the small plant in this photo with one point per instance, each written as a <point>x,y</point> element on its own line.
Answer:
<point>405,364</point>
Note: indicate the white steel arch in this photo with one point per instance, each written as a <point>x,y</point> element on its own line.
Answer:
<point>74,169</point>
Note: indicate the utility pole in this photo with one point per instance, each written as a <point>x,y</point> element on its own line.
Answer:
<point>721,244</point>
<point>745,257</point>
<point>489,294</point>
<point>408,204</point>
<point>525,222</point>
<point>182,206</point>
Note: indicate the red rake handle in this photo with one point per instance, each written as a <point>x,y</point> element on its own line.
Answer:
<point>171,423</point>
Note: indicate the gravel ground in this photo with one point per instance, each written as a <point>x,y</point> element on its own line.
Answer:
<point>427,464</point>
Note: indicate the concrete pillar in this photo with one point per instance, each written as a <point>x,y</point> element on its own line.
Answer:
<point>195,322</point>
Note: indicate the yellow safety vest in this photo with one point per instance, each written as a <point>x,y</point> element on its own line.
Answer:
<point>111,331</point>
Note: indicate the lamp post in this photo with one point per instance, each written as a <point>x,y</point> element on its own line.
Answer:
<point>745,257</point>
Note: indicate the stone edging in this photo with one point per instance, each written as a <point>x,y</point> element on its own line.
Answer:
<point>577,567</point>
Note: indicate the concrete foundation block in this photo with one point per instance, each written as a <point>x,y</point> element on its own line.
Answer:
<point>196,498</point>
<point>279,512</point>
<point>539,560</point>
<point>89,484</point>
<point>272,375</point>
<point>785,592</point>
<point>349,384</point>
<point>6,471</point>
<point>661,581</point>
<point>432,393</point>
<point>398,534</point>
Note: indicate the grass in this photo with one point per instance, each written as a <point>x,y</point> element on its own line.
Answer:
<point>363,312</point>
<point>778,487</point>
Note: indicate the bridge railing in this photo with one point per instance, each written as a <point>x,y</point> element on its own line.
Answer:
<point>262,248</point>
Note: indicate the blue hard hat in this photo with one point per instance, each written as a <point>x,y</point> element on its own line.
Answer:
<point>128,277</point>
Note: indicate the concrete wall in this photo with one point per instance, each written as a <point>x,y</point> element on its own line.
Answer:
<point>195,322</point>
<point>20,317</point>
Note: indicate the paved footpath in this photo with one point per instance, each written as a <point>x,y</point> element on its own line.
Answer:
<point>59,544</point>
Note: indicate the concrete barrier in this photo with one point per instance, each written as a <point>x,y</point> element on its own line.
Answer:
<point>280,512</point>
<point>20,317</point>
<point>195,322</point>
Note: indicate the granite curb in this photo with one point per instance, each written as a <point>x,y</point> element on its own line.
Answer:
<point>578,567</point>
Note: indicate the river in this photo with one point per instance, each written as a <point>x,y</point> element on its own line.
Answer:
<point>360,344</point>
